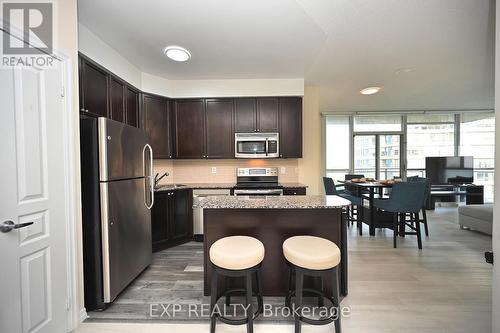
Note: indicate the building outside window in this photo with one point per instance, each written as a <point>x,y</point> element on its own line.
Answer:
<point>377,146</point>
<point>384,147</point>
<point>428,135</point>
<point>477,139</point>
<point>337,147</point>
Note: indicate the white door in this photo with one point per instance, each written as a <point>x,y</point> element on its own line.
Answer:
<point>33,272</point>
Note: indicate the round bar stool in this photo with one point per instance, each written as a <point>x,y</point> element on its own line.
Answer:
<point>312,256</point>
<point>236,256</point>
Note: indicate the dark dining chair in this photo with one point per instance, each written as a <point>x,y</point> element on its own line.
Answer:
<point>353,211</point>
<point>351,188</point>
<point>427,194</point>
<point>331,189</point>
<point>406,199</point>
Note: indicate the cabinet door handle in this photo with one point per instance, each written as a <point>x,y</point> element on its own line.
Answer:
<point>82,109</point>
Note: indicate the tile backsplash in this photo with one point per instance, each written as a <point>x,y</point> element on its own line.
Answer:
<point>220,171</point>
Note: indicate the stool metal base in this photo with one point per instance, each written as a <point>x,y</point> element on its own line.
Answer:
<point>300,272</point>
<point>247,291</point>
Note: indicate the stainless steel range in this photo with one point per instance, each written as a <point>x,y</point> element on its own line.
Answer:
<point>257,182</point>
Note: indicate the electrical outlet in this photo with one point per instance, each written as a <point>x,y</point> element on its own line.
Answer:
<point>214,169</point>
<point>283,170</point>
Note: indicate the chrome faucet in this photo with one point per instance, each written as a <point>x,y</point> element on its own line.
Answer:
<point>158,178</point>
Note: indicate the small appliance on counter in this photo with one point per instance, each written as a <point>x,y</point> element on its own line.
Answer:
<point>257,182</point>
<point>117,195</point>
<point>256,145</point>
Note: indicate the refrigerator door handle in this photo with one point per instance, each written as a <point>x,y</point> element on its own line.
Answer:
<point>149,176</point>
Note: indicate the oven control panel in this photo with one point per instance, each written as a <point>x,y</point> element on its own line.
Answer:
<point>245,172</point>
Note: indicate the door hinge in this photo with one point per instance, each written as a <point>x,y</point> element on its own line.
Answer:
<point>68,304</point>
<point>62,92</point>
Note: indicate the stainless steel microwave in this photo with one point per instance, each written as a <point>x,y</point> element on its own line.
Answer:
<point>256,145</point>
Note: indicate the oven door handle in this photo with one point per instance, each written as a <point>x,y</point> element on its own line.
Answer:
<point>258,192</point>
<point>267,147</point>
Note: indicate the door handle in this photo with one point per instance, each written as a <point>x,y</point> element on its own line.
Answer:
<point>7,226</point>
<point>150,176</point>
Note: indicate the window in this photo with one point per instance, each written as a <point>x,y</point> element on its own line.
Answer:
<point>428,135</point>
<point>387,146</point>
<point>337,146</point>
<point>365,155</point>
<point>377,124</point>
<point>477,139</point>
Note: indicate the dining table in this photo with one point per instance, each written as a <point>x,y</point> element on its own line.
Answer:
<point>369,190</point>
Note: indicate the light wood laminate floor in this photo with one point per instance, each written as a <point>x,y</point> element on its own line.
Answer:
<point>446,287</point>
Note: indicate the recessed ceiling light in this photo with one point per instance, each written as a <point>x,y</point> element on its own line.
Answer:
<point>370,90</point>
<point>177,53</point>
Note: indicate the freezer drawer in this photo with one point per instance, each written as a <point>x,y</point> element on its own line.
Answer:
<point>122,152</point>
<point>126,234</point>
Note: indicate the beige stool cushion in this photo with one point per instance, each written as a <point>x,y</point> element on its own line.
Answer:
<point>311,252</point>
<point>237,252</point>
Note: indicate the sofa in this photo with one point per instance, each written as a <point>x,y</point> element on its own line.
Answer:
<point>476,217</point>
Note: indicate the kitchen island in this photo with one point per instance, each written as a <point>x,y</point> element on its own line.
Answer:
<point>272,220</point>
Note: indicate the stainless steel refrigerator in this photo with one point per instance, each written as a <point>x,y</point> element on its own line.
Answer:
<point>117,195</point>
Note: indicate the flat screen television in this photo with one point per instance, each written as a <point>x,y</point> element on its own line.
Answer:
<point>450,170</point>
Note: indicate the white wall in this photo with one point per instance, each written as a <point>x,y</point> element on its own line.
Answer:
<point>221,88</point>
<point>96,49</point>
<point>231,88</point>
<point>66,42</point>
<point>496,212</point>
<point>310,166</point>
<point>157,85</point>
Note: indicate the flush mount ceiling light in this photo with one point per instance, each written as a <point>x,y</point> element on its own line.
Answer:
<point>177,53</point>
<point>370,90</point>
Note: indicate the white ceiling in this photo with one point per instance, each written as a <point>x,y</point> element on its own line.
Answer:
<point>340,45</point>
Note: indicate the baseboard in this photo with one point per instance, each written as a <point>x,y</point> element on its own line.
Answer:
<point>82,315</point>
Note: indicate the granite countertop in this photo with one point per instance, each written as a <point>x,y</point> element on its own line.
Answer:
<point>210,185</point>
<point>275,202</point>
<point>195,186</point>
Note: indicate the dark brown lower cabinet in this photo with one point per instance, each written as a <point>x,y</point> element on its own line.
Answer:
<point>172,218</point>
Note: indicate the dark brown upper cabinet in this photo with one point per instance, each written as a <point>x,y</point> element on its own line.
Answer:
<point>267,115</point>
<point>117,101</point>
<point>256,115</point>
<point>94,94</point>
<point>245,115</point>
<point>290,127</point>
<point>157,123</point>
<point>190,128</point>
<point>132,107</point>
<point>219,128</point>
